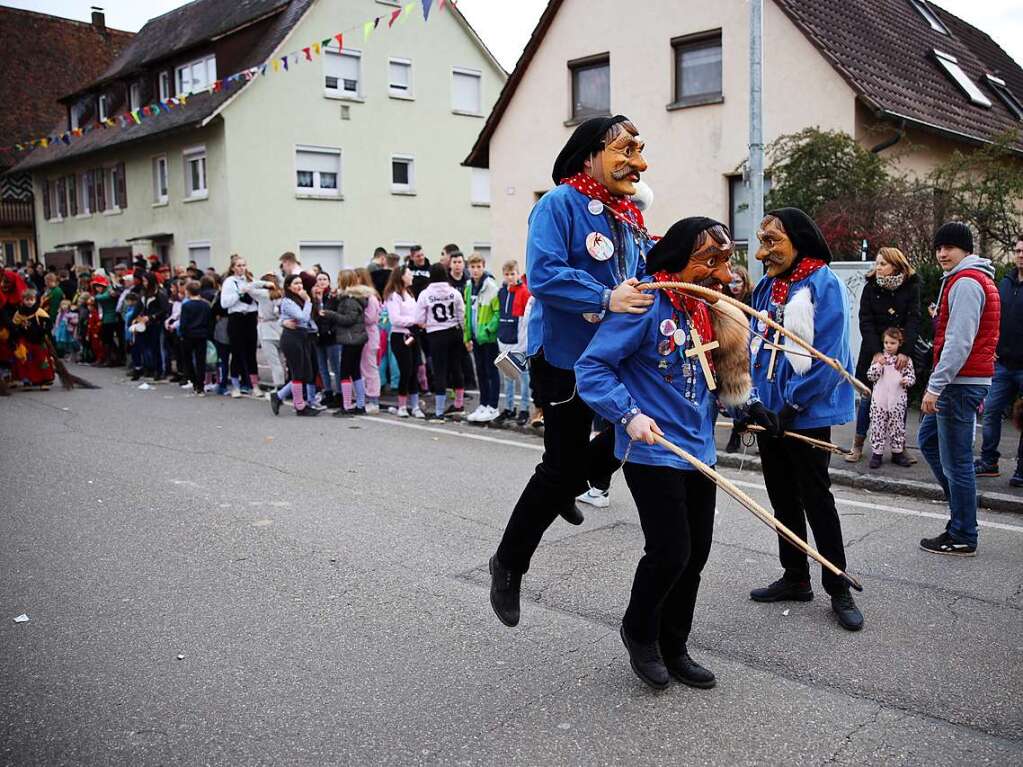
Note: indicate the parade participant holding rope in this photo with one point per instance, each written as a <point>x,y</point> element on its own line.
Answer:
<point>662,374</point>
<point>801,293</point>
<point>586,246</point>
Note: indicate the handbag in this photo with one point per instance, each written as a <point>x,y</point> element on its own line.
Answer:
<point>211,354</point>
<point>922,353</point>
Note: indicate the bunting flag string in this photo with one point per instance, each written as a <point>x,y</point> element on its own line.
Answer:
<point>136,116</point>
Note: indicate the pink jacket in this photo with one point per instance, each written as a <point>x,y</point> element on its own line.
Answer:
<point>401,308</point>
<point>372,317</point>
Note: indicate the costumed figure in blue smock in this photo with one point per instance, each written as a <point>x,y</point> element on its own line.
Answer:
<point>585,248</point>
<point>666,372</point>
<point>801,292</point>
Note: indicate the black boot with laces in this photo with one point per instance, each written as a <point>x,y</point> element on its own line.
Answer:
<point>505,585</point>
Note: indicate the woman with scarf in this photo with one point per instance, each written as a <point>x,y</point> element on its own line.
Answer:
<point>891,299</point>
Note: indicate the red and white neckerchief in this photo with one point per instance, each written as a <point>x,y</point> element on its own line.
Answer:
<point>622,208</point>
<point>695,309</point>
<point>781,286</point>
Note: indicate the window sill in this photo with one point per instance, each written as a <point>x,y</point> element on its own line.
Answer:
<point>573,122</point>
<point>459,112</point>
<point>401,97</point>
<point>404,192</point>
<point>343,97</point>
<point>309,196</point>
<point>197,198</point>
<point>113,212</point>
<point>695,102</point>
<point>161,204</point>
<point>480,204</point>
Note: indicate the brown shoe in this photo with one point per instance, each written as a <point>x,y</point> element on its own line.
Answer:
<point>856,453</point>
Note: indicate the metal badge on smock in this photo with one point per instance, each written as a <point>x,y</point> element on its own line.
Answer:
<point>599,247</point>
<point>592,317</point>
<point>596,207</point>
<point>665,347</point>
<point>668,327</point>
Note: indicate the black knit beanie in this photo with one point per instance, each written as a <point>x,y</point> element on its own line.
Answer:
<point>956,234</point>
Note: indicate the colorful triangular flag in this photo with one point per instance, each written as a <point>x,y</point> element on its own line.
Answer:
<point>394,17</point>
<point>426,9</point>
<point>340,41</point>
<point>367,30</point>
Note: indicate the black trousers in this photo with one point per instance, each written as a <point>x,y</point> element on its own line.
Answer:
<point>570,458</point>
<point>243,333</point>
<point>446,349</point>
<point>408,359</point>
<point>676,511</point>
<point>351,362</point>
<point>468,373</point>
<point>799,486</point>
<point>193,353</point>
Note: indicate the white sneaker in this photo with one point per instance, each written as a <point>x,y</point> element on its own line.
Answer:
<point>236,393</point>
<point>401,412</point>
<point>186,385</point>
<point>476,415</point>
<point>595,497</point>
<point>372,409</point>
<point>418,413</point>
<point>489,414</point>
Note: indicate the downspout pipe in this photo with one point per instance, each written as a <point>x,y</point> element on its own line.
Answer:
<point>888,143</point>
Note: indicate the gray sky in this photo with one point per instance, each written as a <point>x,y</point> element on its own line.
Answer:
<point>505,26</point>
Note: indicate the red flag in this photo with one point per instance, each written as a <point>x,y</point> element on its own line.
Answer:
<point>308,54</point>
<point>440,5</point>
<point>340,40</point>
<point>394,18</point>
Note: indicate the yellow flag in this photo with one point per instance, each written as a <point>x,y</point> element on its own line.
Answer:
<point>277,65</point>
<point>316,48</point>
<point>367,30</point>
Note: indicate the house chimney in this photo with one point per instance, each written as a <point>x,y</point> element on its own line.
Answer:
<point>99,19</point>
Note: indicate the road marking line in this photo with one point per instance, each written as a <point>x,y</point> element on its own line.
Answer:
<point>741,483</point>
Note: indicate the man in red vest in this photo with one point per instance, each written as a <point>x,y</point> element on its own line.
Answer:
<point>965,337</point>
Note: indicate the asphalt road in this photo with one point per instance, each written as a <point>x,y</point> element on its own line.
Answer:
<point>207,584</point>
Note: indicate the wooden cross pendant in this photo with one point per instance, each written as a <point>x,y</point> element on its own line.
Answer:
<point>700,350</point>
<point>774,356</point>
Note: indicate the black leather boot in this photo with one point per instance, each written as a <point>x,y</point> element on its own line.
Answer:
<point>572,514</point>
<point>646,661</point>
<point>505,586</point>
<point>686,670</point>
<point>849,615</point>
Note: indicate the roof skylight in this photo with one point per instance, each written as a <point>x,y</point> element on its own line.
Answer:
<point>928,13</point>
<point>951,66</point>
<point>999,86</point>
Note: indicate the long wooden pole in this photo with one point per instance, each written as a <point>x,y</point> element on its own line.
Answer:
<point>758,511</point>
<point>819,443</point>
<point>699,290</point>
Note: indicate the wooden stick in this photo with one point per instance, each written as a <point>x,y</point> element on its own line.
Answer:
<point>829,446</point>
<point>766,319</point>
<point>758,511</point>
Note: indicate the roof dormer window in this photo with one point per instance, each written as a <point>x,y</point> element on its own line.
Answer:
<point>999,86</point>
<point>928,13</point>
<point>950,64</point>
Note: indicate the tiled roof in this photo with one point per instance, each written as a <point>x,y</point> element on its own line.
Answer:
<point>883,49</point>
<point>44,57</point>
<point>199,106</point>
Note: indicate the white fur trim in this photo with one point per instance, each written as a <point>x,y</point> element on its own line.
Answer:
<point>644,196</point>
<point>799,314</point>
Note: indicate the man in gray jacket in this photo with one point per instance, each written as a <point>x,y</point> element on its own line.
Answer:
<point>965,337</point>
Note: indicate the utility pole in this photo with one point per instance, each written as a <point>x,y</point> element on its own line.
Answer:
<point>756,132</point>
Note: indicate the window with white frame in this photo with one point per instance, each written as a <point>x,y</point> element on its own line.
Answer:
<point>160,179</point>
<point>483,248</point>
<point>165,89</point>
<point>195,173</point>
<point>115,187</point>
<point>201,252</point>
<point>76,116</point>
<point>403,174</point>
<point>85,193</point>
<point>399,78</point>
<point>925,10</point>
<point>101,108</point>
<point>466,91</point>
<point>328,254</point>
<point>134,96</point>
<point>318,171</point>
<point>342,72</point>
<point>950,64</point>
<point>403,248</point>
<point>1000,87</point>
<point>479,190</point>
<point>196,75</point>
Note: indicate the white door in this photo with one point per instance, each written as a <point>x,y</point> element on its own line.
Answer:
<point>329,255</point>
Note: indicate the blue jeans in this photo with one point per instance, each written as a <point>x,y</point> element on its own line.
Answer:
<point>1005,387</point>
<point>486,373</point>
<point>946,441</point>
<point>509,392</point>
<point>329,360</point>
<point>863,417</point>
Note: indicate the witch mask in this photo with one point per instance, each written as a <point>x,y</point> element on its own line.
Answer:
<point>619,164</point>
<point>776,252</point>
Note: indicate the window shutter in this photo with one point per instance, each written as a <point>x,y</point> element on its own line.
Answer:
<point>122,187</point>
<point>61,198</point>
<point>465,92</point>
<point>90,190</point>
<point>46,199</point>
<point>101,197</point>
<point>72,194</point>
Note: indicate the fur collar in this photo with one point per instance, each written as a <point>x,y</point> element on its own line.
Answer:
<point>731,358</point>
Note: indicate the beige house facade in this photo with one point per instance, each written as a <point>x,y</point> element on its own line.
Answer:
<point>359,147</point>
<point>680,71</point>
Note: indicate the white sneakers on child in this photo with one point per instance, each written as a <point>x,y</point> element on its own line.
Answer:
<point>372,409</point>
<point>595,497</point>
<point>418,413</point>
<point>483,414</point>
